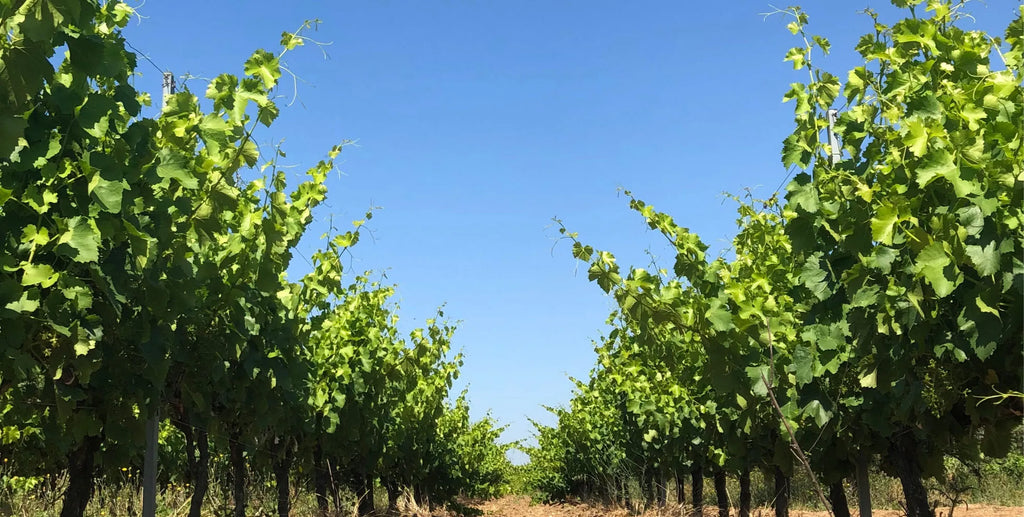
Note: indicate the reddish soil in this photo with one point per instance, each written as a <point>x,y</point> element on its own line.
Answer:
<point>520,506</point>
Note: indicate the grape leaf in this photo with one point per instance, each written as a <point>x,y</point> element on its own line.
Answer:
<point>81,241</point>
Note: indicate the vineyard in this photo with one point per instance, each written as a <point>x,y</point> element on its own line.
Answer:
<point>872,313</point>
<point>866,322</point>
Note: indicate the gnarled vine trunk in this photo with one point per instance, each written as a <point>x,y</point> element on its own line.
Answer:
<point>721,493</point>
<point>334,477</point>
<point>745,492</point>
<point>282,467</point>
<point>81,463</point>
<point>903,454</point>
<point>422,496</point>
<point>647,487</point>
<point>197,458</point>
<point>697,490</point>
<point>394,493</point>
<point>661,489</point>
<point>200,472</point>
<point>320,478</point>
<point>680,491</point>
<point>624,490</point>
<point>238,474</point>
<point>365,494</point>
<point>837,498</point>
<point>781,503</point>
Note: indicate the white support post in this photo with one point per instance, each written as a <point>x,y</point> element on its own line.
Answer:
<point>833,140</point>
<point>168,87</point>
<point>153,422</point>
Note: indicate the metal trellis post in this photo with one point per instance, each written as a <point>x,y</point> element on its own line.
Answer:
<point>153,423</point>
<point>833,140</point>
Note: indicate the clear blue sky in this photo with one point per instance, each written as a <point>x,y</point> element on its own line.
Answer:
<point>477,122</point>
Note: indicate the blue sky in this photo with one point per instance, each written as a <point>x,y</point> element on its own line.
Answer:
<point>478,122</point>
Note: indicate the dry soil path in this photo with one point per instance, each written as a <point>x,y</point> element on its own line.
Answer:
<point>520,506</point>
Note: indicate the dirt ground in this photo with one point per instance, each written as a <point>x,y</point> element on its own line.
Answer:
<point>520,506</point>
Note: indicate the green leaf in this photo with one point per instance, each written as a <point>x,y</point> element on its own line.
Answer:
<point>856,81</point>
<point>140,243</point>
<point>81,241</point>
<point>985,259</point>
<point>870,379</point>
<point>250,153</point>
<point>94,115</point>
<point>881,258</point>
<point>39,201</point>
<point>801,193</point>
<point>94,56</point>
<point>822,43</point>
<point>939,164</point>
<point>43,17</point>
<point>972,219</point>
<point>28,302</point>
<point>174,165</point>
<point>866,296</point>
<point>108,193</point>
<point>83,346</point>
<point>925,106</point>
<point>289,41</point>
<point>798,92</point>
<point>38,274</point>
<point>25,70</point>
<point>264,66</point>
<point>826,89</point>
<point>757,375</point>
<point>959,355</point>
<point>798,55</point>
<point>882,224</point>
<point>650,435</point>
<point>795,151</point>
<point>78,293</point>
<point>740,401</point>
<point>815,409</point>
<point>931,263</point>
<point>803,364</point>
<point>217,134</point>
<point>984,350</point>
<point>12,129</point>
<point>985,307</point>
<point>972,114</point>
<point>813,278</point>
<point>719,316</point>
<point>916,137</point>
<point>268,113</point>
<point>825,337</point>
